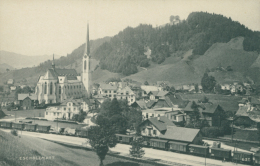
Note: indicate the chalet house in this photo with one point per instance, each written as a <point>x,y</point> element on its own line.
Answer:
<point>27,101</point>
<point>126,94</point>
<point>225,87</point>
<point>249,114</point>
<point>66,110</point>
<point>108,90</point>
<point>152,95</point>
<point>140,105</point>
<point>154,127</point>
<point>167,100</point>
<point>13,88</point>
<point>208,111</point>
<point>182,134</point>
<point>147,88</point>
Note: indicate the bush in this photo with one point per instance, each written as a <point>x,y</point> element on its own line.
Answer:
<point>243,122</point>
<point>211,132</point>
<point>14,132</point>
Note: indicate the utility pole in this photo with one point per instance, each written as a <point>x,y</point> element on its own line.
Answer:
<point>205,157</point>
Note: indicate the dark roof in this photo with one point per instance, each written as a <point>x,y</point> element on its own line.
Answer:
<point>161,124</point>
<point>162,103</point>
<point>180,134</point>
<point>150,103</point>
<point>176,100</point>
<point>31,96</point>
<point>71,74</point>
<point>203,107</point>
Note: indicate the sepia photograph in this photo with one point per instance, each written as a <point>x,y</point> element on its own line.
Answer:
<point>129,82</point>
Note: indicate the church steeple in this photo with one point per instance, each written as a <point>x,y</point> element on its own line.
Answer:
<point>86,72</point>
<point>53,64</point>
<point>87,48</point>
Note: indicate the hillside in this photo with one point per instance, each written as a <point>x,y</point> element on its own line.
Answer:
<point>200,31</point>
<point>30,75</point>
<point>184,71</point>
<point>19,61</point>
<point>5,67</point>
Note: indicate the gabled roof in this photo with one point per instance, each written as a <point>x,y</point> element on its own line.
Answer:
<point>176,100</point>
<point>162,93</point>
<point>162,103</point>
<point>32,96</point>
<point>71,74</point>
<point>148,88</point>
<point>141,104</point>
<point>161,124</point>
<point>204,107</point>
<point>150,103</point>
<point>180,134</point>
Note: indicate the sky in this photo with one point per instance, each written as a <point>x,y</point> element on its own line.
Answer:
<point>45,27</point>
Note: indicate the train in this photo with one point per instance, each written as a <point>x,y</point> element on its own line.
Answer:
<point>168,145</point>
<point>198,150</point>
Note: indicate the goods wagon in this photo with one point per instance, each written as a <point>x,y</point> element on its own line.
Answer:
<point>30,127</point>
<point>160,144</point>
<point>44,129</point>
<point>18,126</point>
<point>56,130</point>
<point>69,131</point>
<point>220,153</point>
<point>242,157</point>
<point>257,159</point>
<point>177,146</point>
<point>124,138</point>
<point>82,132</point>
<point>5,124</point>
<point>198,150</point>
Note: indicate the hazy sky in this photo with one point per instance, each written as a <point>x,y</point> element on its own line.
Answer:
<point>39,27</point>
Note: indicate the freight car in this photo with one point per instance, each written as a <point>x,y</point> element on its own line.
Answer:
<point>257,159</point>
<point>243,157</point>
<point>220,153</point>
<point>82,132</point>
<point>127,139</point>
<point>69,131</point>
<point>159,144</point>
<point>178,146</point>
<point>18,126</point>
<point>6,124</point>
<point>30,127</point>
<point>198,150</point>
<point>43,129</point>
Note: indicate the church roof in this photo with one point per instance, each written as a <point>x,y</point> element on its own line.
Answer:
<point>71,74</point>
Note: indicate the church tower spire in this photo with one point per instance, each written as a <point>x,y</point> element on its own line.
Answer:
<point>86,73</point>
<point>53,64</point>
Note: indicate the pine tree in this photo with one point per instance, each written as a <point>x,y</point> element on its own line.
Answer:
<point>136,150</point>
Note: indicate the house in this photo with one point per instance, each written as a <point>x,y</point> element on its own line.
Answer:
<point>186,88</point>
<point>209,111</point>
<point>100,98</point>
<point>126,94</point>
<point>10,82</point>
<point>27,101</point>
<point>148,88</point>
<point>154,127</point>
<point>152,95</point>
<point>66,110</point>
<point>182,134</point>
<point>252,101</point>
<point>248,114</point>
<point>13,88</point>
<point>108,90</point>
<point>140,105</point>
<point>178,88</point>
<point>173,114</point>
<point>225,87</point>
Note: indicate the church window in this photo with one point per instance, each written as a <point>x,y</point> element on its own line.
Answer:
<point>45,88</point>
<point>51,88</point>
<point>85,65</point>
<point>59,89</point>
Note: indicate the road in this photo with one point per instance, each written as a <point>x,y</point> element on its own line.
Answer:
<point>160,156</point>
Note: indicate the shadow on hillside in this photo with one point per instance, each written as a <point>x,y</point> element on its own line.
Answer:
<point>121,163</point>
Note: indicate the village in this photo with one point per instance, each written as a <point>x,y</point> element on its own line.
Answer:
<point>167,116</point>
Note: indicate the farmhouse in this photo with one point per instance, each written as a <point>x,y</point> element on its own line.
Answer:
<point>27,101</point>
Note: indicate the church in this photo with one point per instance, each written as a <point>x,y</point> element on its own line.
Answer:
<point>58,85</point>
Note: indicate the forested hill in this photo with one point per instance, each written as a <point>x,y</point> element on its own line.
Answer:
<point>125,51</point>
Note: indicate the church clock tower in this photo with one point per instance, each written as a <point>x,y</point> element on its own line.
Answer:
<point>86,73</point>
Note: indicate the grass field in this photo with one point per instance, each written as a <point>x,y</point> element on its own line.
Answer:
<point>13,147</point>
<point>228,103</point>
